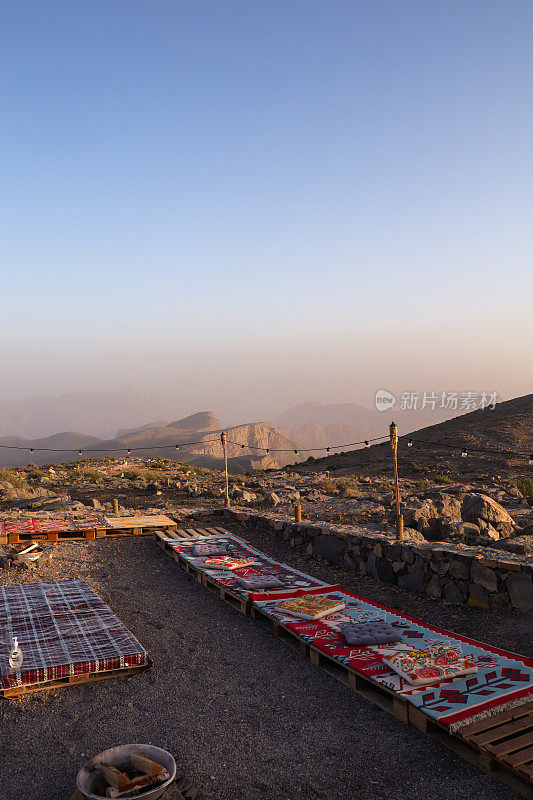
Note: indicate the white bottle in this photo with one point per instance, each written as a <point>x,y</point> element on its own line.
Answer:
<point>15,656</point>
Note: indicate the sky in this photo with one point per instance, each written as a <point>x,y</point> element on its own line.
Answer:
<point>254,204</point>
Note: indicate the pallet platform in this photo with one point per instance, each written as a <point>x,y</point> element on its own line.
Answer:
<point>501,745</point>
<point>118,526</point>
<point>242,604</point>
<point>71,680</point>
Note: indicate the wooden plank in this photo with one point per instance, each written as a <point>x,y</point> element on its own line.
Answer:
<point>521,757</point>
<point>511,744</point>
<point>490,722</point>
<point>527,769</point>
<point>501,730</point>
<point>194,532</point>
<point>156,521</point>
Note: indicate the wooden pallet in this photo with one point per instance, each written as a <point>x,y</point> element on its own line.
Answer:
<point>505,739</point>
<point>507,755</point>
<point>235,600</point>
<point>71,680</point>
<point>119,526</point>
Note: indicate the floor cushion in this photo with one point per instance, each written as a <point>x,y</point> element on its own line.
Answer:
<point>310,606</point>
<point>422,667</point>
<point>209,550</point>
<point>260,582</point>
<point>368,633</point>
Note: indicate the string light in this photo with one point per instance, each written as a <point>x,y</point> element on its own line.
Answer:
<point>366,442</point>
<point>129,451</point>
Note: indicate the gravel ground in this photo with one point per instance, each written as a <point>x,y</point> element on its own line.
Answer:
<point>246,717</point>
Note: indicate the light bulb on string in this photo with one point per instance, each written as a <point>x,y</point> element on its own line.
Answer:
<point>80,452</point>
<point>177,446</point>
<point>296,452</point>
<point>366,443</point>
<point>410,443</point>
<point>464,454</point>
<point>531,458</point>
<point>327,449</point>
<point>129,452</point>
<point>31,449</point>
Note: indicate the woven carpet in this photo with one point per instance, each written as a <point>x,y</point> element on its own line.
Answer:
<point>63,628</point>
<point>502,679</point>
<point>40,526</point>
<point>237,548</point>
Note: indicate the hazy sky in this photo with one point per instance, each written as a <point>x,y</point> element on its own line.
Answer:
<point>258,203</point>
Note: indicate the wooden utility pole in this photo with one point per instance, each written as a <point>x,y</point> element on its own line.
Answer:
<point>394,445</point>
<point>224,447</point>
<point>115,506</point>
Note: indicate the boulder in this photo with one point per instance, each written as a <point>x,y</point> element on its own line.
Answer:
<point>271,499</point>
<point>477,507</point>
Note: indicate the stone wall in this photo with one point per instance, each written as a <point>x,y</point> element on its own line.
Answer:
<point>478,576</point>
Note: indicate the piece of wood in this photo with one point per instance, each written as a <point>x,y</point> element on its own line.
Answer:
<point>511,744</point>
<point>520,757</point>
<point>114,777</point>
<point>155,521</point>
<point>146,765</point>
<point>491,722</point>
<point>502,730</point>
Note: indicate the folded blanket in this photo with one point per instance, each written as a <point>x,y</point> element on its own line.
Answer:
<point>367,633</point>
<point>310,606</point>
<point>260,582</point>
<point>437,663</point>
<point>209,550</point>
<point>227,562</point>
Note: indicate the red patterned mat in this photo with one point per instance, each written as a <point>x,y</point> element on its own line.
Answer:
<point>501,678</point>
<point>40,526</point>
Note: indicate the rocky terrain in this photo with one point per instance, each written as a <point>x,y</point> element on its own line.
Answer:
<point>493,513</point>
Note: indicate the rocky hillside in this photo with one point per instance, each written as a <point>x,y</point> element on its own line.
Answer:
<point>437,449</point>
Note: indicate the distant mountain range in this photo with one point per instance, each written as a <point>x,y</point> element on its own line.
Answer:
<point>197,435</point>
<point>310,425</point>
